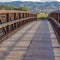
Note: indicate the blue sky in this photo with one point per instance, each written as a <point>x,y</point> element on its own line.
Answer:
<point>27,0</point>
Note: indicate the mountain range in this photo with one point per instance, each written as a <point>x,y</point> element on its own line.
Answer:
<point>35,5</point>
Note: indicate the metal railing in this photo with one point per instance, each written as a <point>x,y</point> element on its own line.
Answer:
<point>14,21</point>
<point>56,26</point>
<point>11,27</point>
<point>56,22</point>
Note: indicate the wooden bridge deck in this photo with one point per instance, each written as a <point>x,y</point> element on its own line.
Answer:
<point>35,41</point>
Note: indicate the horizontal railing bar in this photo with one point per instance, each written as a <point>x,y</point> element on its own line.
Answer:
<point>58,24</point>
<point>14,21</point>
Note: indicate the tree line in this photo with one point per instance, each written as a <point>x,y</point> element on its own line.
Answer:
<point>8,7</point>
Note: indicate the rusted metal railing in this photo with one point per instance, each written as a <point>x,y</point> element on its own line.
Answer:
<point>12,20</point>
<point>53,18</point>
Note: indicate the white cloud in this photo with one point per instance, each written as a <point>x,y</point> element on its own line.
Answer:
<point>7,0</point>
<point>17,0</point>
<point>27,0</point>
<point>58,0</point>
<point>31,0</point>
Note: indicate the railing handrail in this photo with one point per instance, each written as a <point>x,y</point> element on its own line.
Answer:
<point>56,22</point>
<point>14,21</point>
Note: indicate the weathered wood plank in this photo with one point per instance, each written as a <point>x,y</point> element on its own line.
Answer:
<point>37,41</point>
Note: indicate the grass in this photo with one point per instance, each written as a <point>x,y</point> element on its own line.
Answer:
<point>42,15</point>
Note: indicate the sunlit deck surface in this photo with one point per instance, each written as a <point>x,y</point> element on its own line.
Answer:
<point>36,41</point>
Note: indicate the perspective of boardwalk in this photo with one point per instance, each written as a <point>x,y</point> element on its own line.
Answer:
<point>36,41</point>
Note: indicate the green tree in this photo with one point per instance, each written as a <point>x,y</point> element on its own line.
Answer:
<point>7,7</point>
<point>23,8</point>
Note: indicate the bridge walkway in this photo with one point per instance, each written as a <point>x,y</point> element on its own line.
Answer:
<point>36,41</point>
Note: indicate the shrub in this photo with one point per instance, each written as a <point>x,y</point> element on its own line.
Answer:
<point>42,15</point>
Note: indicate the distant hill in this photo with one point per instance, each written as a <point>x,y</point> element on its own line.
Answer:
<point>35,5</point>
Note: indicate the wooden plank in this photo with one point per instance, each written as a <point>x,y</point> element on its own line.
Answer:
<point>37,41</point>
<point>16,53</point>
